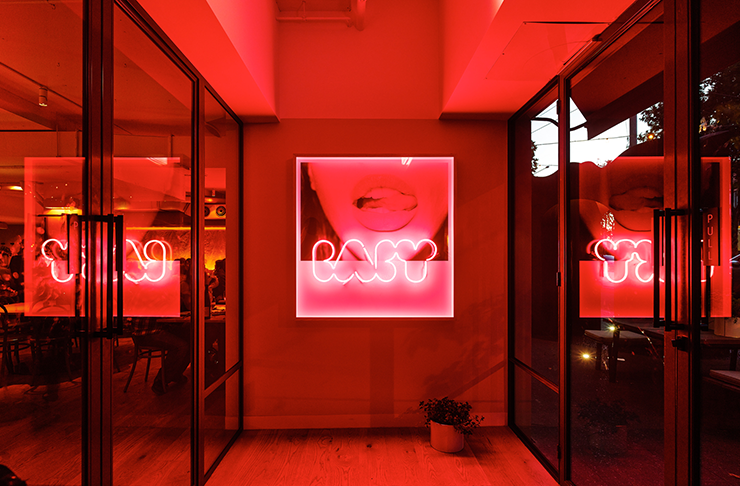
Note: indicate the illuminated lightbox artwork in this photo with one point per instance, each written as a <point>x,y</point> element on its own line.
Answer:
<point>374,237</point>
<point>151,275</point>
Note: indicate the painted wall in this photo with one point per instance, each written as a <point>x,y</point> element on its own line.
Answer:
<point>355,372</point>
<point>464,23</point>
<point>389,70</point>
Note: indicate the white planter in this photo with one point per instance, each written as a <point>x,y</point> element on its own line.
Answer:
<point>445,438</point>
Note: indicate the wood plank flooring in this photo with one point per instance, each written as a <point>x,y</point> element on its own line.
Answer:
<point>382,457</point>
<point>40,439</point>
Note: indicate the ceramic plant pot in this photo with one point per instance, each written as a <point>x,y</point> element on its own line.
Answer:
<point>445,438</point>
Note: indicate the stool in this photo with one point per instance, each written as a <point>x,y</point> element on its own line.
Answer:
<point>148,352</point>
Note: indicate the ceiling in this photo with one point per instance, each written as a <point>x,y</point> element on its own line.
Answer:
<point>273,59</point>
<point>413,59</point>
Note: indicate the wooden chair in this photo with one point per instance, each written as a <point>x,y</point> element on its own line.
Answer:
<point>148,352</point>
<point>53,336</point>
<point>15,339</point>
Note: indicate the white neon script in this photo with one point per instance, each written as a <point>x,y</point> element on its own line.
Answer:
<point>143,255</point>
<point>634,255</point>
<point>390,267</point>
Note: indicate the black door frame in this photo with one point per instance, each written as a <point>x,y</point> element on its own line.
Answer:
<point>683,184</point>
<point>97,352</point>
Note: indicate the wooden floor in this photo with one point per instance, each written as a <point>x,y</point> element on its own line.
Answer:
<point>384,457</point>
<point>40,434</point>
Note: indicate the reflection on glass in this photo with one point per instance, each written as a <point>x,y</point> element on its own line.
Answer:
<point>616,173</point>
<point>221,239</point>
<point>40,186</point>
<point>537,414</point>
<point>536,233</point>
<point>151,191</point>
<point>221,419</point>
<point>719,138</point>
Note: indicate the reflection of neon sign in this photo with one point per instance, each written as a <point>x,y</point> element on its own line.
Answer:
<point>634,255</point>
<point>144,256</point>
<point>373,261</point>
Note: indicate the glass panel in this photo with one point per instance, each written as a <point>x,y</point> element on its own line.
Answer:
<point>221,240</point>
<point>151,188</point>
<point>40,186</point>
<point>221,418</point>
<point>536,239</point>
<point>616,173</point>
<point>719,137</point>
<point>537,414</point>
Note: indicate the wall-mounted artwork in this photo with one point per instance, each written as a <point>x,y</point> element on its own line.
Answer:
<point>374,237</point>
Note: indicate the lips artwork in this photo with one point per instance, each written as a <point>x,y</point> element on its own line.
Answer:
<point>374,236</point>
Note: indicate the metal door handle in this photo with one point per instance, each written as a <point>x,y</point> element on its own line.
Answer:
<point>669,214</point>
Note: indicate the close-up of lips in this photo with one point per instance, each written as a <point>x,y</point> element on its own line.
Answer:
<point>383,203</point>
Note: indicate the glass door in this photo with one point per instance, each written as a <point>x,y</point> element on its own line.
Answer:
<point>717,376</point>
<point>42,202</point>
<point>534,350</point>
<point>152,177</point>
<point>618,185</point>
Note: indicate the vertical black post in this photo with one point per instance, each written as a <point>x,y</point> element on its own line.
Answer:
<point>198,267</point>
<point>97,144</point>
<point>682,191</point>
<point>563,267</point>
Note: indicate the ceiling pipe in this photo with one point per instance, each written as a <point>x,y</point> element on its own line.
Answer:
<point>355,17</point>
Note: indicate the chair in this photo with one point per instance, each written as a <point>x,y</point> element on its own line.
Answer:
<point>14,341</point>
<point>53,335</point>
<point>148,352</point>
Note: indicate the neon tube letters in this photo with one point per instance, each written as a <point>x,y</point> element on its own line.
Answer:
<point>143,254</point>
<point>385,271</point>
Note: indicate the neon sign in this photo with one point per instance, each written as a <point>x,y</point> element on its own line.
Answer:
<point>618,283</point>
<point>374,237</point>
<point>146,262</point>
<point>151,280</point>
<point>373,261</point>
<point>634,255</point>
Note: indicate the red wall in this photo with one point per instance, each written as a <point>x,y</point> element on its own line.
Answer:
<point>372,372</point>
<point>389,70</point>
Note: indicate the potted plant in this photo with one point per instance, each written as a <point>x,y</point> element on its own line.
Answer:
<point>449,422</point>
<point>607,425</point>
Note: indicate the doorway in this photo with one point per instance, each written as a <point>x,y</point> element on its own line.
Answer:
<point>642,198</point>
<point>120,186</point>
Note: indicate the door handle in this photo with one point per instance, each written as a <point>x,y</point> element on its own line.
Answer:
<point>113,264</point>
<point>114,260</point>
<point>658,215</point>
<point>667,216</point>
<point>121,245</point>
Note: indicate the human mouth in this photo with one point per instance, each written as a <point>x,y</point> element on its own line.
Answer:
<point>383,202</point>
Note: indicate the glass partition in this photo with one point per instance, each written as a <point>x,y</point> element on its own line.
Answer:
<point>41,164</point>
<point>221,251</point>
<point>535,224</point>
<point>152,172</point>
<point>719,141</point>
<point>616,171</point>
